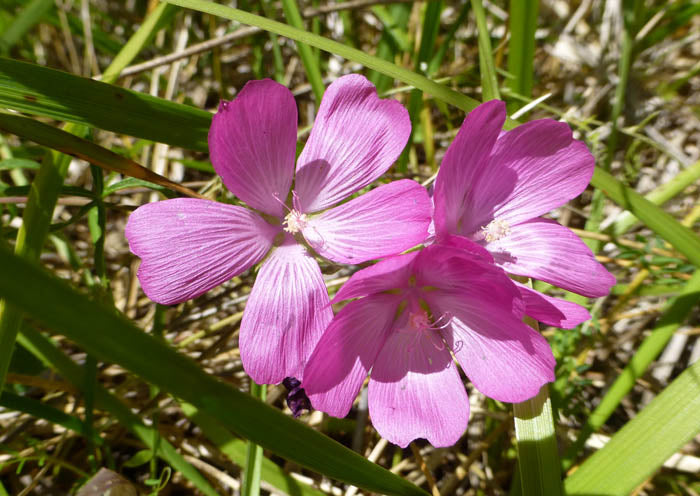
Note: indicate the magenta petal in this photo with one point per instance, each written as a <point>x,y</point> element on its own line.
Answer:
<point>286,314</point>
<point>252,144</point>
<point>533,169</point>
<point>463,162</point>
<point>188,246</point>
<point>504,358</point>
<point>545,250</point>
<point>550,310</point>
<point>355,138</point>
<point>390,273</point>
<point>339,364</point>
<point>415,391</point>
<point>385,221</point>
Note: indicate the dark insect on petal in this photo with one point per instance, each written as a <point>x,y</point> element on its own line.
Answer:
<point>296,398</point>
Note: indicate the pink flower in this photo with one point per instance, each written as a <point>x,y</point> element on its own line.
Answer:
<point>492,188</point>
<point>414,310</point>
<point>189,246</point>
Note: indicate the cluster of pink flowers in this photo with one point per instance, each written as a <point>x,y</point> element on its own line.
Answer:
<point>410,313</point>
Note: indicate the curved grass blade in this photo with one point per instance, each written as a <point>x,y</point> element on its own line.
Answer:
<point>54,303</point>
<point>40,91</point>
<point>30,15</point>
<point>407,76</point>
<point>74,146</point>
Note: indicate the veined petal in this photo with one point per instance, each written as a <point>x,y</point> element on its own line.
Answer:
<point>347,350</point>
<point>550,310</point>
<point>463,162</point>
<point>188,246</point>
<point>355,138</point>
<point>415,391</point>
<point>533,169</point>
<point>545,250</point>
<point>252,144</point>
<point>390,273</point>
<point>504,358</point>
<point>286,314</point>
<point>385,221</point>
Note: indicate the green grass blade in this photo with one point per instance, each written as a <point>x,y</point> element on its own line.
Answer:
<point>313,71</point>
<point>676,312</point>
<point>30,15</point>
<point>54,303</point>
<point>521,47</point>
<point>254,453</point>
<point>489,83</point>
<point>407,76</point>
<point>74,146</point>
<point>662,223</point>
<point>235,449</point>
<point>644,443</point>
<point>44,349</point>
<point>659,196</point>
<point>536,441</point>
<point>54,415</point>
<point>40,91</point>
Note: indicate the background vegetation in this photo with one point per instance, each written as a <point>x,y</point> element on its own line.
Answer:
<point>105,106</point>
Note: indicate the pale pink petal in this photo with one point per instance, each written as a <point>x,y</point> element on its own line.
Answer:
<point>355,138</point>
<point>533,169</point>
<point>252,144</point>
<point>287,311</point>
<point>463,162</point>
<point>504,358</point>
<point>387,220</point>
<point>415,391</point>
<point>188,246</point>
<point>390,273</point>
<point>545,250</point>
<point>339,364</point>
<point>550,310</point>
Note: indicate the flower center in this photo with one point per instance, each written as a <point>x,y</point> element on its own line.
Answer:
<point>497,229</point>
<point>295,221</point>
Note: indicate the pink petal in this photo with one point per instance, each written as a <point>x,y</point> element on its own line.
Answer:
<point>504,358</point>
<point>467,245</point>
<point>463,162</point>
<point>550,310</point>
<point>339,364</point>
<point>543,249</point>
<point>390,273</point>
<point>387,220</point>
<point>286,314</point>
<point>415,392</point>
<point>188,246</point>
<point>454,270</point>
<point>252,144</point>
<point>355,138</point>
<point>533,169</point>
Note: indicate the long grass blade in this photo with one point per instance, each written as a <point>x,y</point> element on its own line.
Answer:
<point>489,83</point>
<point>522,22</point>
<point>644,443</point>
<point>54,303</point>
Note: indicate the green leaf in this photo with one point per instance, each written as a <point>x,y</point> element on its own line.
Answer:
<point>18,163</point>
<point>522,22</point>
<point>662,223</point>
<point>139,458</point>
<point>40,91</point>
<point>30,15</point>
<point>54,303</point>
<point>489,83</point>
<point>644,443</point>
